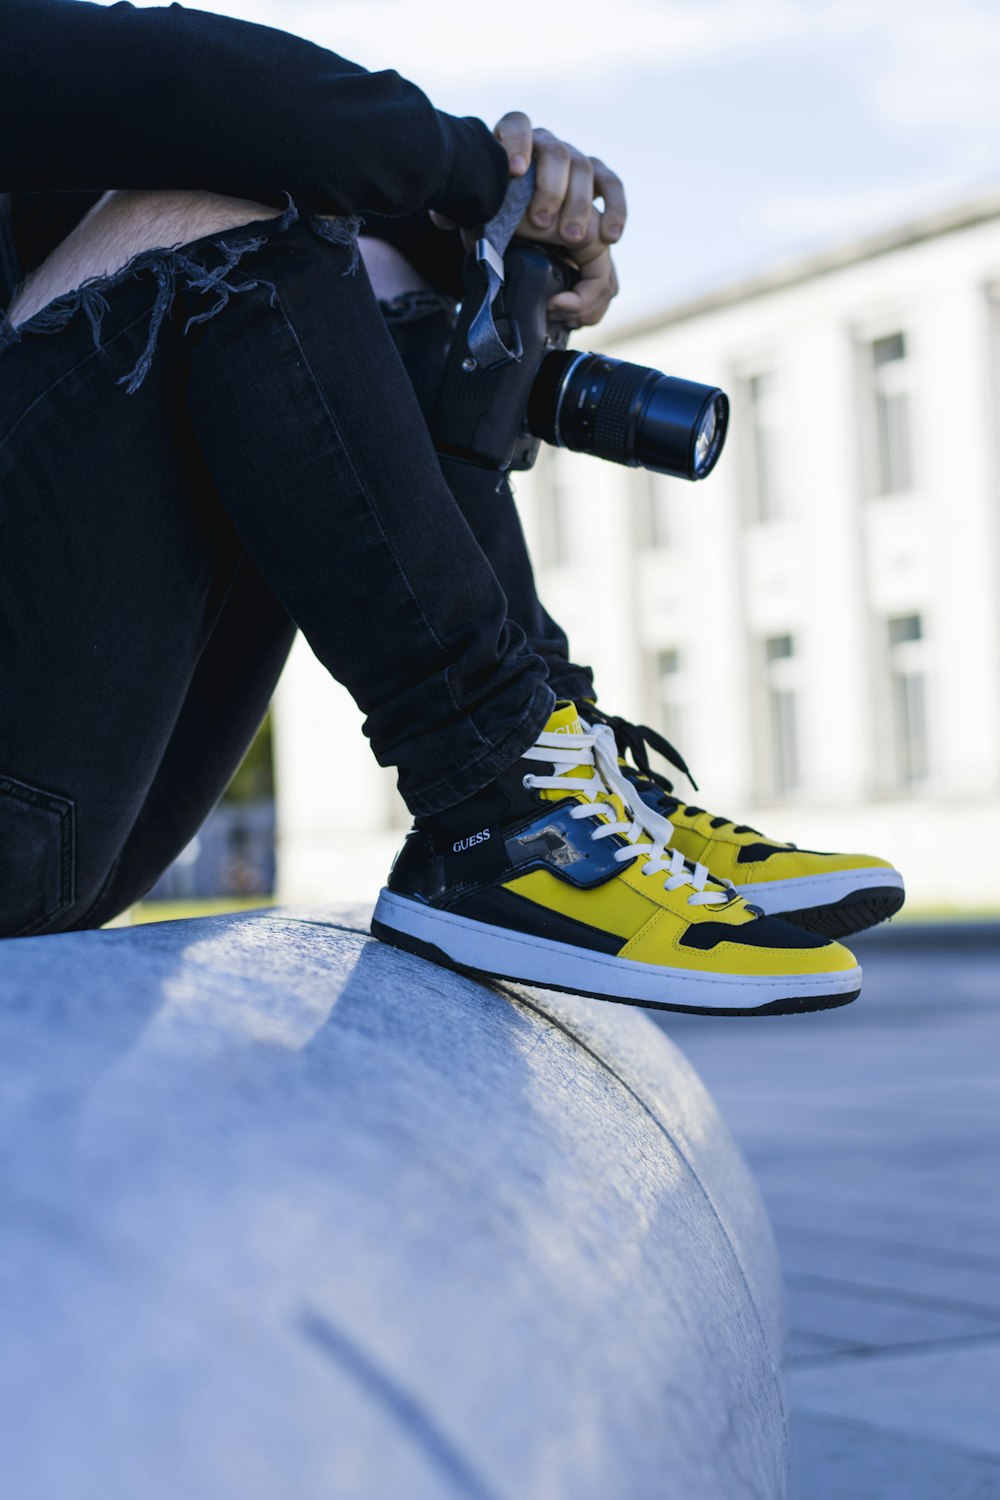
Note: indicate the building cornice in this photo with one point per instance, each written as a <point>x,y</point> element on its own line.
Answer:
<point>785,274</point>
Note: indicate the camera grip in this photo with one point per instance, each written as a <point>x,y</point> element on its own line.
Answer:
<point>479,413</point>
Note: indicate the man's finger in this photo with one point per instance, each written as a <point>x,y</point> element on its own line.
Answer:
<point>552,164</point>
<point>592,246</point>
<point>590,298</point>
<point>579,202</point>
<point>515,135</point>
<point>582,309</point>
<point>608,185</point>
<point>584,317</point>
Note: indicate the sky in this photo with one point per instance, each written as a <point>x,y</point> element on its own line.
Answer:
<point>745,131</point>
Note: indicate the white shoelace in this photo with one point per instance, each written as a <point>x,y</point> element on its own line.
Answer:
<point>596,747</point>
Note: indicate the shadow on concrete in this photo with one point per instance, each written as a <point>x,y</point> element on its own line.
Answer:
<point>290,1212</point>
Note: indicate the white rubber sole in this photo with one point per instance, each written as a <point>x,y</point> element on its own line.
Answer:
<point>773,896</point>
<point>503,954</point>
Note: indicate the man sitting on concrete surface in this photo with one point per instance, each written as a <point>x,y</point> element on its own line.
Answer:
<point>212,432</point>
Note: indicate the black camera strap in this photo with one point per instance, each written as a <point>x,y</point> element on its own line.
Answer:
<point>485,344</point>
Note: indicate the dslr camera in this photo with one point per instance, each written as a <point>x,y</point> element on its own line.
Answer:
<point>494,415</point>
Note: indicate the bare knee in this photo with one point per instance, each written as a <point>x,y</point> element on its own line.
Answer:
<point>123,224</point>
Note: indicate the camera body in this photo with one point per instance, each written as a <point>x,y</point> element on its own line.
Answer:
<point>480,414</point>
<point>495,416</point>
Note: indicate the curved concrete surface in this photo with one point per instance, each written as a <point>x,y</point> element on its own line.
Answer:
<point>288,1214</point>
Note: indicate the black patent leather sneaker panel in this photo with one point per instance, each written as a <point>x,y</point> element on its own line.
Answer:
<point>434,869</point>
<point>661,802</point>
<point>564,845</point>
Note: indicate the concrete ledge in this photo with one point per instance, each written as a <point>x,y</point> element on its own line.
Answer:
<point>290,1214</point>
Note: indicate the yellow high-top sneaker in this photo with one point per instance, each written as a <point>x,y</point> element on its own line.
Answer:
<point>558,874</point>
<point>833,895</point>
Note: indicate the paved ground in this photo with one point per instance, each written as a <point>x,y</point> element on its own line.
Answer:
<point>874,1133</point>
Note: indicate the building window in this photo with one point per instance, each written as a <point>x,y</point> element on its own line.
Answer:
<point>669,695</point>
<point>908,700</point>
<point>656,517</point>
<point>891,390</point>
<point>765,497</point>
<point>781,714</point>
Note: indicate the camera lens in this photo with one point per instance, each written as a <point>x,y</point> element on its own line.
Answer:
<point>705,438</point>
<point>629,414</point>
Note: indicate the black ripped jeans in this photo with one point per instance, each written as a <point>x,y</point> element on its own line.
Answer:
<point>271,469</point>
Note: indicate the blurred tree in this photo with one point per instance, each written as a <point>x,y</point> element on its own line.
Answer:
<point>254,779</point>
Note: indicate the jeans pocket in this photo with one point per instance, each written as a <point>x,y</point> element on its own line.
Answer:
<point>37,858</point>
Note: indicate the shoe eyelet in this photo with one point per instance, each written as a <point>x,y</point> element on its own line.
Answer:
<point>528,781</point>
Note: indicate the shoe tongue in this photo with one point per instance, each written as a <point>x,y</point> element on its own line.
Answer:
<point>565,720</point>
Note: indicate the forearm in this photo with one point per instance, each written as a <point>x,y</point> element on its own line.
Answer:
<point>94,97</point>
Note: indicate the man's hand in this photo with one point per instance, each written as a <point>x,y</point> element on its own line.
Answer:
<point>566,184</point>
<point>562,212</point>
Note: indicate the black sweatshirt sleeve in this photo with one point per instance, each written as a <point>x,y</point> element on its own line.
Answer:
<point>95,97</point>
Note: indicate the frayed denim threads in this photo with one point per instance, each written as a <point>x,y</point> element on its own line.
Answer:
<point>178,266</point>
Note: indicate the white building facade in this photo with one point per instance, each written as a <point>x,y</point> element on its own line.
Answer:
<point>816,626</point>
